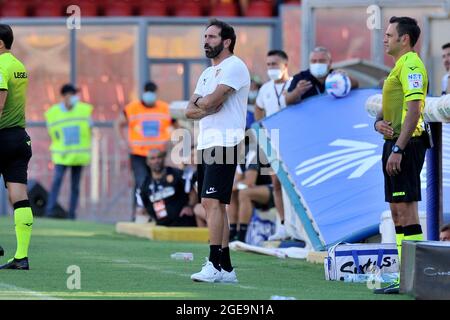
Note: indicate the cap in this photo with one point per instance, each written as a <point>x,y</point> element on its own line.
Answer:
<point>68,88</point>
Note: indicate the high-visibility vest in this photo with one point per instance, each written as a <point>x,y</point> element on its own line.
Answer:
<point>148,127</point>
<point>70,133</point>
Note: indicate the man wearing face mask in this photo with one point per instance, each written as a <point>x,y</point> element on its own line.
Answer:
<point>271,99</point>
<point>149,124</point>
<point>311,82</point>
<point>69,126</point>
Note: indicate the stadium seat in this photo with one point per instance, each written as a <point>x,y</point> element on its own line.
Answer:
<point>118,8</point>
<point>47,8</point>
<point>152,8</point>
<point>224,8</point>
<point>260,8</point>
<point>14,8</point>
<point>88,7</point>
<point>188,8</point>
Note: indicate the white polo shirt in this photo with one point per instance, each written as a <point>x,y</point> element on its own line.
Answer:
<point>226,127</point>
<point>272,96</point>
<point>445,83</point>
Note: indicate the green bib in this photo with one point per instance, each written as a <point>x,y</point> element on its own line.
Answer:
<point>70,132</point>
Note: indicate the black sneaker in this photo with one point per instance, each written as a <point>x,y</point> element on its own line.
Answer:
<point>393,288</point>
<point>1,251</point>
<point>17,264</point>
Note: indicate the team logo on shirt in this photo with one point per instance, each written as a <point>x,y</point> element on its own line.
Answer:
<point>415,81</point>
<point>217,72</point>
<point>169,178</point>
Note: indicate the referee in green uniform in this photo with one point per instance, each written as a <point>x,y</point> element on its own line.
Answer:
<point>15,145</point>
<point>402,126</point>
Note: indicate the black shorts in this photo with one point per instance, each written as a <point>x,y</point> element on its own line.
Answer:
<point>15,153</point>
<point>216,170</point>
<point>405,187</point>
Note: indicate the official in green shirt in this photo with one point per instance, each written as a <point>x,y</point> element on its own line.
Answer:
<point>15,145</point>
<point>402,126</point>
<point>69,126</point>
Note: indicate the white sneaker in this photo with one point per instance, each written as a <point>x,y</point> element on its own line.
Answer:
<point>280,234</point>
<point>208,273</point>
<point>229,277</point>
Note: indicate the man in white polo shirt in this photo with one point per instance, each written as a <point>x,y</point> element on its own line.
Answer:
<point>220,103</point>
<point>271,99</point>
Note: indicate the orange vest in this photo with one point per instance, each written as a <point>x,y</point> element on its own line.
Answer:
<point>148,127</point>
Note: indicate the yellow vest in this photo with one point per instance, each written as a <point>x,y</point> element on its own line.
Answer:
<point>70,132</point>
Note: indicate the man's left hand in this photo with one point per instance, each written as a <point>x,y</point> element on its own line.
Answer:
<point>393,164</point>
<point>187,211</point>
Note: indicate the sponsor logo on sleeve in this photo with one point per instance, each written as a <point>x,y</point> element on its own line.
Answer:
<point>415,81</point>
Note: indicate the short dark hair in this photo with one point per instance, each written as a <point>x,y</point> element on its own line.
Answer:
<point>445,227</point>
<point>446,46</point>
<point>150,86</point>
<point>68,88</point>
<point>409,26</point>
<point>226,32</point>
<point>280,53</point>
<point>6,35</point>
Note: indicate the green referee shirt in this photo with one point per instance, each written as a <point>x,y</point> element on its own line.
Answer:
<point>407,81</point>
<point>14,79</point>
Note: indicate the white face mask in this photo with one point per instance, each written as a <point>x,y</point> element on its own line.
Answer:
<point>73,100</point>
<point>318,70</point>
<point>274,74</point>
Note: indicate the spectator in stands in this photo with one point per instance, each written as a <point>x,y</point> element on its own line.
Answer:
<point>444,234</point>
<point>163,195</point>
<point>446,61</point>
<point>69,126</point>
<point>311,82</point>
<point>271,99</point>
<point>149,124</point>
<point>252,189</point>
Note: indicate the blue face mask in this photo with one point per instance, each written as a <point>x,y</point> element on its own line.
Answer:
<point>149,98</point>
<point>73,100</point>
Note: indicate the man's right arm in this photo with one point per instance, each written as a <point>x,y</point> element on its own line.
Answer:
<point>192,111</point>
<point>259,113</point>
<point>195,112</point>
<point>295,95</point>
<point>3,96</point>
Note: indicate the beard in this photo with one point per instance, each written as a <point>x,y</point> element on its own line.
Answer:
<point>213,51</point>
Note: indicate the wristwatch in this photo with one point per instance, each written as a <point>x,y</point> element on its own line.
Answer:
<point>195,102</point>
<point>396,149</point>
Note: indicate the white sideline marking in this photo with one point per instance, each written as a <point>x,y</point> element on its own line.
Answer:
<point>23,293</point>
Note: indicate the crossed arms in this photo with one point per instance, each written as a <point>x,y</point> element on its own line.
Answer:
<point>209,104</point>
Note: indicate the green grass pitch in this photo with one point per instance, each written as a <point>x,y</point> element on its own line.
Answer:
<point>114,266</point>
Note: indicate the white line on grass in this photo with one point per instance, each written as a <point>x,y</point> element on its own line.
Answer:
<point>22,293</point>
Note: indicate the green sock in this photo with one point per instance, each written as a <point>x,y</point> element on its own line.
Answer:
<point>399,236</point>
<point>414,237</point>
<point>23,218</point>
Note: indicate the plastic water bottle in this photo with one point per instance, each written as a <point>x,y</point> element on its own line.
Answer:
<point>186,256</point>
<point>355,277</point>
<point>282,298</point>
